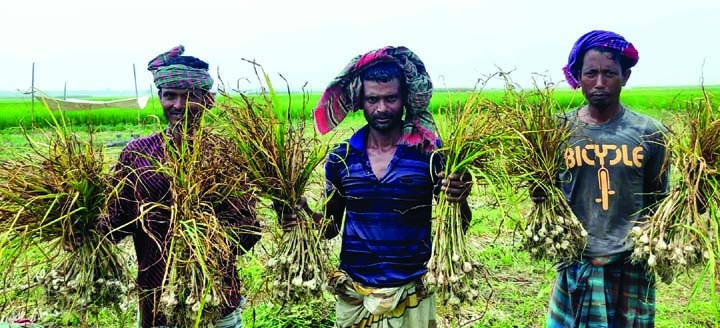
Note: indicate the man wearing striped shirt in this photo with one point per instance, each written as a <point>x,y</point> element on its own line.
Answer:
<point>184,88</point>
<point>384,179</point>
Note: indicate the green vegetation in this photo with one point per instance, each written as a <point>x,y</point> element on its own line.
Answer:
<point>19,112</point>
<point>520,284</point>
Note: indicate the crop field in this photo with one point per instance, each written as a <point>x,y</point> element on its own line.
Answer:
<point>21,112</point>
<point>519,286</point>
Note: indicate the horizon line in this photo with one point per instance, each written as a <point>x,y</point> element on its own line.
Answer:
<point>130,92</point>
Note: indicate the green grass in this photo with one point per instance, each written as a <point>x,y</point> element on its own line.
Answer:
<point>16,113</point>
<point>520,285</point>
<point>19,112</point>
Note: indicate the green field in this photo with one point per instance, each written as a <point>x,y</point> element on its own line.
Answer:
<point>21,112</point>
<point>520,286</point>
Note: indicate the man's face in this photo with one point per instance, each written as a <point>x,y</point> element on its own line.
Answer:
<point>383,105</point>
<point>602,79</point>
<point>176,103</point>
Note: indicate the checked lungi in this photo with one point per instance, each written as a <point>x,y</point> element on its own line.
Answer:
<point>603,292</point>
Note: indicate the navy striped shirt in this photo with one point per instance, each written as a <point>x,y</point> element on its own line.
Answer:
<point>137,166</point>
<point>386,239</point>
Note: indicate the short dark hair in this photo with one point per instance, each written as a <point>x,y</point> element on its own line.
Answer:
<point>383,72</point>
<point>624,62</point>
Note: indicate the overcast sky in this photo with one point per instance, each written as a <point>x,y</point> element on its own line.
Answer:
<point>92,45</point>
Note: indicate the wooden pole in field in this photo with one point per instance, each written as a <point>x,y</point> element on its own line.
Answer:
<point>32,95</point>
<point>152,96</point>
<point>65,91</point>
<point>135,79</point>
<point>137,97</point>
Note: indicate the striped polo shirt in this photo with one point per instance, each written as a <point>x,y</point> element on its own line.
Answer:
<point>138,164</point>
<point>386,239</point>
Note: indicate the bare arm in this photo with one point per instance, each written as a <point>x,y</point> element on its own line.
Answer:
<point>657,171</point>
<point>334,210</point>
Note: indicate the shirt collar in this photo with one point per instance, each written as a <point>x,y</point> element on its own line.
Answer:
<point>357,140</point>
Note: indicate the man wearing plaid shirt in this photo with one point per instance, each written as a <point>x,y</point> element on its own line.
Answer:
<point>184,86</point>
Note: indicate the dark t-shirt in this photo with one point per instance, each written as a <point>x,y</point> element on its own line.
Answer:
<point>613,174</point>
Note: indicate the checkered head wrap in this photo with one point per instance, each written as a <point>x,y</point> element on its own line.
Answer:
<point>344,93</point>
<point>593,39</point>
<point>172,70</point>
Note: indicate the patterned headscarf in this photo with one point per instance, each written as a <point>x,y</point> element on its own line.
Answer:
<point>592,39</point>
<point>171,70</point>
<point>344,95</point>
